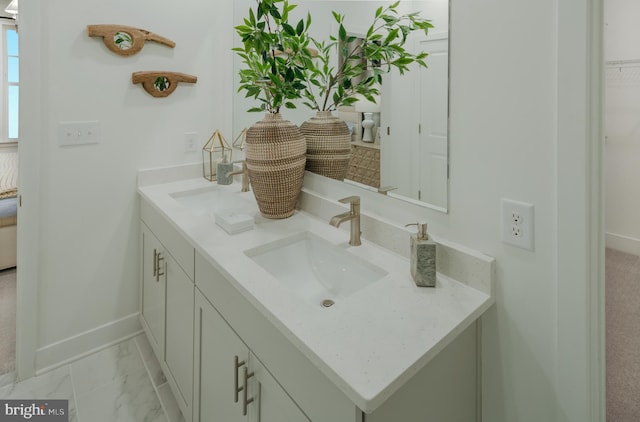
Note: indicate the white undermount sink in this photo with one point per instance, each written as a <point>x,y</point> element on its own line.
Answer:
<point>209,200</point>
<point>316,270</point>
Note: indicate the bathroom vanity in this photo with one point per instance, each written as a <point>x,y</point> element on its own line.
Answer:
<point>238,342</point>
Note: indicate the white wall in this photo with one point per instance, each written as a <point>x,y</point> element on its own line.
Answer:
<point>88,265</point>
<point>503,143</point>
<point>622,113</point>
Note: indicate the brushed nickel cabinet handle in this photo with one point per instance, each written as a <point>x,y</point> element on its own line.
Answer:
<point>158,273</point>
<point>155,262</point>
<point>245,400</point>
<point>236,389</point>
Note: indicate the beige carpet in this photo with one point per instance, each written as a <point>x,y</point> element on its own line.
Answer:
<point>623,336</point>
<point>7,321</point>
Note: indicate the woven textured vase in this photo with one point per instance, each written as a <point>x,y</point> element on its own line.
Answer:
<point>328,145</point>
<point>275,155</point>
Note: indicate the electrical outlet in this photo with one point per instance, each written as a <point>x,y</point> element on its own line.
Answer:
<point>516,231</point>
<point>190,142</point>
<point>517,224</point>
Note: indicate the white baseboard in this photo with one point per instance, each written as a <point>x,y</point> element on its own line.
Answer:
<point>86,343</point>
<point>623,243</point>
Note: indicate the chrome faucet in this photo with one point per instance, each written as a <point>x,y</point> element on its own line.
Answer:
<point>352,215</point>
<point>245,175</point>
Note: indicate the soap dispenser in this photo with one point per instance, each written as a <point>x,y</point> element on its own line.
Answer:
<point>423,257</point>
<point>224,167</point>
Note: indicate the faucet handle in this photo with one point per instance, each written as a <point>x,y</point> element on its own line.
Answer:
<point>422,229</point>
<point>386,189</point>
<point>244,164</point>
<point>354,200</point>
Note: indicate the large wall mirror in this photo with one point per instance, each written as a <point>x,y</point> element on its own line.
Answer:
<point>408,158</point>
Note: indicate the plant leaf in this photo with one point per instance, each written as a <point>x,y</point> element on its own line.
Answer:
<point>288,29</point>
<point>300,27</point>
<point>342,33</point>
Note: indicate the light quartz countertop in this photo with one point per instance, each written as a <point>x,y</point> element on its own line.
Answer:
<point>368,344</point>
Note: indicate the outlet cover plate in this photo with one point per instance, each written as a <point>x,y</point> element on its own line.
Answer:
<point>517,224</point>
<point>190,142</point>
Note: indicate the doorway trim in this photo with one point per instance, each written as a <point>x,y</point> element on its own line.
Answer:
<point>581,370</point>
<point>30,148</point>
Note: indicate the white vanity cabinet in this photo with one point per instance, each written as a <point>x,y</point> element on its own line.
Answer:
<point>290,387</point>
<point>444,390</point>
<point>224,349</point>
<point>232,385</point>
<point>167,303</point>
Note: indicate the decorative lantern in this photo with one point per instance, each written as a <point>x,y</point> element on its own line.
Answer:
<point>240,140</point>
<point>214,151</point>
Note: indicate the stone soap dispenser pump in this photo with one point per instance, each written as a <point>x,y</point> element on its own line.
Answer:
<point>423,257</point>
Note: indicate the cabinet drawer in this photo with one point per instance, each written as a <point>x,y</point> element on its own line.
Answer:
<point>173,241</point>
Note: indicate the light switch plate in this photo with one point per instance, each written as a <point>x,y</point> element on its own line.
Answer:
<point>78,133</point>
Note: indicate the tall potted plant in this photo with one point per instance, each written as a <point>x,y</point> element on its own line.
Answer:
<point>355,71</point>
<point>274,53</point>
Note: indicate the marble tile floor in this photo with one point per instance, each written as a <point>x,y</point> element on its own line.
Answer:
<point>122,383</point>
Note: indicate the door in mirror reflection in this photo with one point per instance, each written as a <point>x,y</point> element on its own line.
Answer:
<point>433,171</point>
<point>414,136</point>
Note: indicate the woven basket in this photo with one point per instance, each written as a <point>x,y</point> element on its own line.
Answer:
<point>275,155</point>
<point>328,145</point>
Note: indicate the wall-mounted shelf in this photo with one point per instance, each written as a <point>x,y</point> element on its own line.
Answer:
<point>622,63</point>
<point>159,83</point>
<point>126,40</point>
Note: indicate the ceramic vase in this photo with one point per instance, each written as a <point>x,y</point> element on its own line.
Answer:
<point>275,156</point>
<point>328,145</point>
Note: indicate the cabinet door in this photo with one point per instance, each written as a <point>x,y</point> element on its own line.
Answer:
<point>153,290</point>
<point>179,335</point>
<point>216,346</point>
<point>273,403</point>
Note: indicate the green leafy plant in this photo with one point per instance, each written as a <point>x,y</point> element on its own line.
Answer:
<point>361,61</point>
<point>274,53</point>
